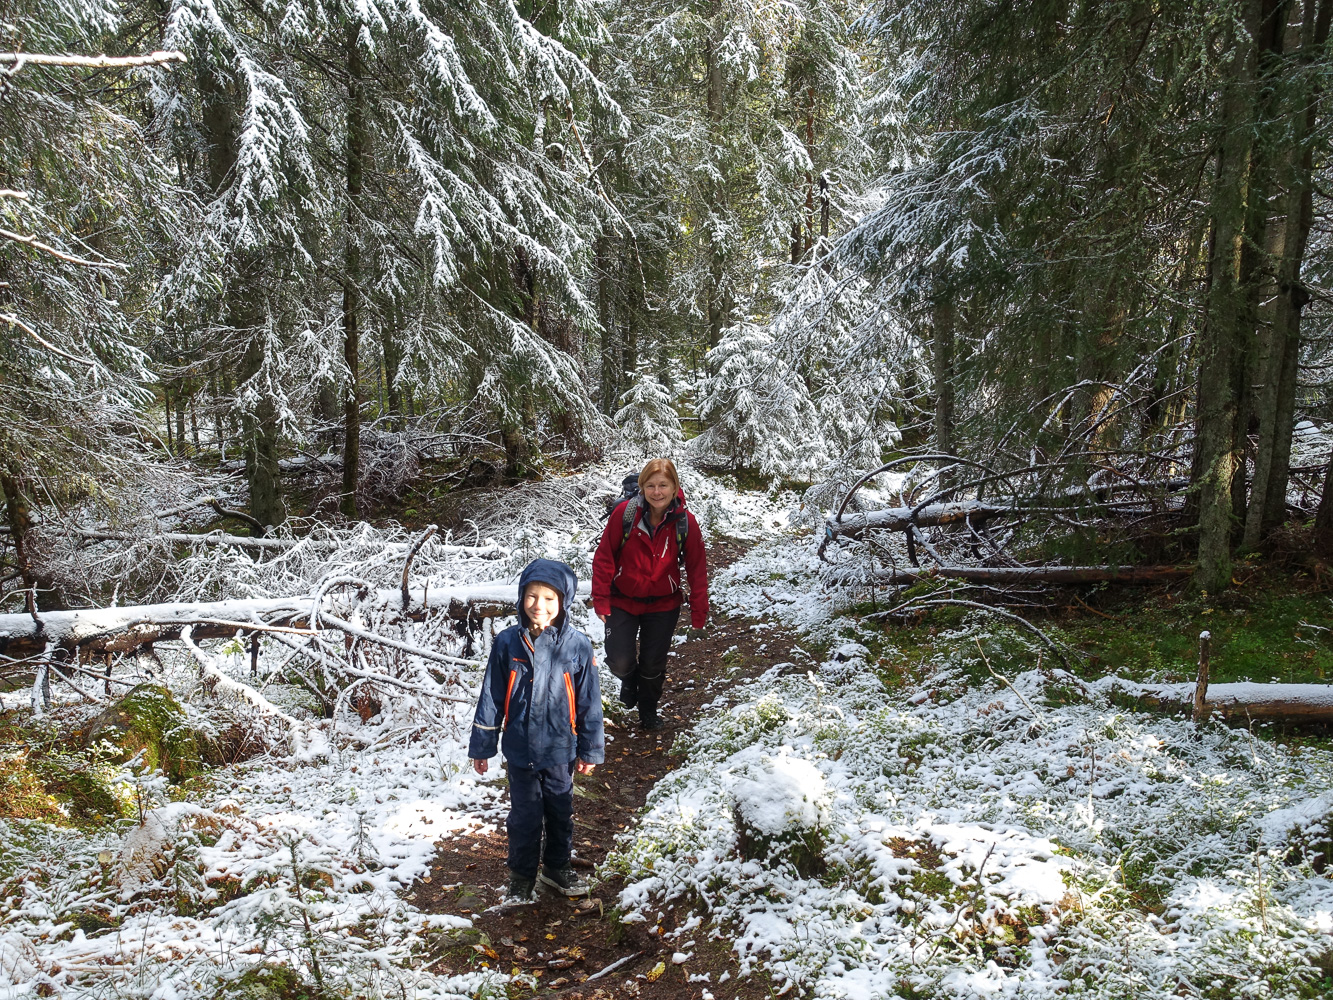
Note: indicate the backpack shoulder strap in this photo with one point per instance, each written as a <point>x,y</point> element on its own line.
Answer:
<point>682,531</point>
<point>627,519</point>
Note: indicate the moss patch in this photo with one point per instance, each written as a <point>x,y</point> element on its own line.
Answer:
<point>23,794</point>
<point>149,720</point>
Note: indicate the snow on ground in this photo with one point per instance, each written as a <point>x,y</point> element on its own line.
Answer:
<point>932,842</point>
<point>301,860</point>
<point>974,850</point>
<point>208,888</point>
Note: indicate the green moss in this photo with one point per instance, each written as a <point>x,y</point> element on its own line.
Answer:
<point>269,982</point>
<point>23,794</point>
<point>150,721</point>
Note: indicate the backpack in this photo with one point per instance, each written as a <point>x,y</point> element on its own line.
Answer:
<point>629,491</point>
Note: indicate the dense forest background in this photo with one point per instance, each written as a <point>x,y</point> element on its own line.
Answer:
<point>1077,245</point>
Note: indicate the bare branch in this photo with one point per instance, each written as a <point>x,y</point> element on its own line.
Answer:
<point>37,244</point>
<point>13,320</point>
<point>17,60</point>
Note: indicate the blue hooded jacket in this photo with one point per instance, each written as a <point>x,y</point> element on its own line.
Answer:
<point>543,693</point>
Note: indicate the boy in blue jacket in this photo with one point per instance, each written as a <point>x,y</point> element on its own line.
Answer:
<point>541,689</point>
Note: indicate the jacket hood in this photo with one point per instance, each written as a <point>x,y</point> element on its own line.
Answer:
<point>558,576</point>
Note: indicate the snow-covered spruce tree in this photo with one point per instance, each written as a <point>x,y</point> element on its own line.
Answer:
<point>428,210</point>
<point>756,409</point>
<point>86,214</point>
<point>738,111</point>
<point>647,419</point>
<point>1059,246</point>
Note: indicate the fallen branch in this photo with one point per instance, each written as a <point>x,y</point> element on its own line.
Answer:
<point>218,538</point>
<point>1041,574</point>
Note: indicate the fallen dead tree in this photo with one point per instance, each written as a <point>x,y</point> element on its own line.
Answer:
<point>985,531</point>
<point>1034,574</point>
<point>95,631</point>
<point>1292,704</point>
<point>491,550</point>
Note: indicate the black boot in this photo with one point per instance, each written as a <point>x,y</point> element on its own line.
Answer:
<point>648,719</point>
<point>629,691</point>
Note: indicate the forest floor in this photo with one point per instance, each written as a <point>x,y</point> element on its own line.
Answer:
<point>560,942</point>
<point>949,813</point>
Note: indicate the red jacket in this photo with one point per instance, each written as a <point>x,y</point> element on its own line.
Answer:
<point>644,574</point>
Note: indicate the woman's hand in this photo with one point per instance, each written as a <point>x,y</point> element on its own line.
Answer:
<point>480,766</point>
<point>583,767</point>
<point>604,618</point>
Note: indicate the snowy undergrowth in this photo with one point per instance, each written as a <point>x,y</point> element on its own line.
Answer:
<point>944,842</point>
<point>274,861</point>
<point>295,862</point>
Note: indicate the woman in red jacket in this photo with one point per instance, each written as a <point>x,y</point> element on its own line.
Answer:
<point>636,584</point>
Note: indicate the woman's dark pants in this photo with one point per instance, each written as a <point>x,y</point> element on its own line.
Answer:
<point>540,799</point>
<point>646,666</point>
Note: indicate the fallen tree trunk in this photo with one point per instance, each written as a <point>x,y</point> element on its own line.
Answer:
<point>122,630</point>
<point>217,538</point>
<point>1041,574</point>
<point>901,518</point>
<point>1299,704</point>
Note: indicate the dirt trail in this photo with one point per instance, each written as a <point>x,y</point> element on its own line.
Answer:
<point>562,941</point>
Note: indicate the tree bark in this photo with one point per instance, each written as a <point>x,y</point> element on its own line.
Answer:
<point>19,517</point>
<point>1221,367</point>
<point>719,298</point>
<point>1323,519</point>
<point>260,430</point>
<point>391,340</point>
<point>942,362</point>
<point>1277,378</point>
<point>352,298</point>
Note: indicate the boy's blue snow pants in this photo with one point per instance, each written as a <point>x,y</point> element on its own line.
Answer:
<point>540,799</point>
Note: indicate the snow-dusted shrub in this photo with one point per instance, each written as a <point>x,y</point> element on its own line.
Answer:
<point>647,420</point>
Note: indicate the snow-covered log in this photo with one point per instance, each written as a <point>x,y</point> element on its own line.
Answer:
<point>1302,704</point>
<point>119,630</point>
<point>1036,574</point>
<point>900,518</point>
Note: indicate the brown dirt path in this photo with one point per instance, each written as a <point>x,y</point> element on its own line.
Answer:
<point>562,942</point>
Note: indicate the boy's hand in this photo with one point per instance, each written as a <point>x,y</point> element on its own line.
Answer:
<point>583,767</point>
<point>480,766</point>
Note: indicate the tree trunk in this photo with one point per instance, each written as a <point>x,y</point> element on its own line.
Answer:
<point>19,517</point>
<point>1323,520</point>
<point>182,400</point>
<point>606,314</point>
<point>1222,339</point>
<point>391,339</point>
<point>942,360</point>
<point>1277,378</point>
<point>260,432</point>
<point>166,411</point>
<point>719,298</point>
<point>352,305</point>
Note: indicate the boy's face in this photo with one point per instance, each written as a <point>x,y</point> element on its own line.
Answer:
<point>541,604</point>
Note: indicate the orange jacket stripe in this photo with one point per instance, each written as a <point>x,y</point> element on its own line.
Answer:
<point>513,676</point>
<point>569,690</point>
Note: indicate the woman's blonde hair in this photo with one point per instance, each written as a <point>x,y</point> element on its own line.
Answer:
<point>663,466</point>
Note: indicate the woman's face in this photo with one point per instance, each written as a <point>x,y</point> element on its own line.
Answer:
<point>659,491</point>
